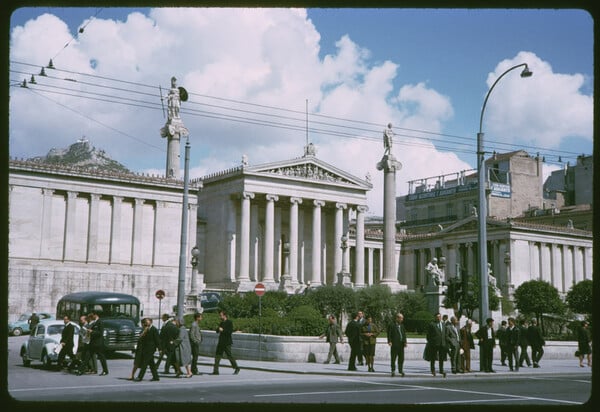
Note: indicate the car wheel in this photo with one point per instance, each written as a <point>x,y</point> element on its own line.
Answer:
<point>17,332</point>
<point>46,361</point>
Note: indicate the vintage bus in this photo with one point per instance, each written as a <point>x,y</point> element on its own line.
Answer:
<point>119,312</point>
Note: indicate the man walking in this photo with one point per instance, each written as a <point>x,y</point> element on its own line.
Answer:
<point>195,340</point>
<point>333,333</point>
<point>524,343</point>
<point>436,344</point>
<point>536,340</point>
<point>503,342</point>
<point>96,345</point>
<point>148,343</point>
<point>67,343</point>
<point>396,337</point>
<point>353,335</point>
<point>225,330</point>
<point>169,332</point>
<point>513,336</point>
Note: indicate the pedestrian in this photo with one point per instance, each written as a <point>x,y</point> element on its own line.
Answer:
<point>333,335</point>
<point>84,347</point>
<point>513,338</point>
<point>524,343</point>
<point>353,334</point>
<point>369,332</point>
<point>584,340</point>
<point>96,344</point>
<point>148,344</point>
<point>168,336</point>
<point>502,341</point>
<point>360,356</point>
<point>225,330</point>
<point>397,341</point>
<point>453,343</point>
<point>487,341</point>
<point>33,320</point>
<point>435,348</point>
<point>195,341</point>
<point>537,343</point>
<point>183,352</point>
<point>467,343</point>
<point>67,343</point>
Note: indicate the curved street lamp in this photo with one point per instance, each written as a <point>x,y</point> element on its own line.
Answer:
<point>482,215</point>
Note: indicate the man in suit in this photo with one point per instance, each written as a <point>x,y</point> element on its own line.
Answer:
<point>502,340</point>
<point>467,343</point>
<point>169,332</point>
<point>436,344</point>
<point>333,333</point>
<point>195,341</point>
<point>536,340</point>
<point>513,337</point>
<point>524,343</point>
<point>453,342</point>
<point>353,335</point>
<point>67,342</point>
<point>148,343</point>
<point>487,341</point>
<point>396,337</point>
<point>225,331</point>
<point>96,345</point>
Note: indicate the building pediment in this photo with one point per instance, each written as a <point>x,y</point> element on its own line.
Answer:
<point>308,168</point>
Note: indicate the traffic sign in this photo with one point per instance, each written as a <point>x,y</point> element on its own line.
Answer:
<point>160,294</point>
<point>259,289</point>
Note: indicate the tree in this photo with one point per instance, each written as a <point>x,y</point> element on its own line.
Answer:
<point>538,297</point>
<point>333,299</point>
<point>579,298</point>
<point>468,300</point>
<point>375,301</point>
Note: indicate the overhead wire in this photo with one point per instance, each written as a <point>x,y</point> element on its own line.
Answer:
<point>459,143</point>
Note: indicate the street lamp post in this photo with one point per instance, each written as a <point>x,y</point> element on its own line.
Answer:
<point>194,262</point>
<point>482,215</point>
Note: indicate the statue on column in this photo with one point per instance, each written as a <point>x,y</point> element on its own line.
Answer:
<point>492,279</point>
<point>388,135</point>
<point>173,101</point>
<point>436,275</point>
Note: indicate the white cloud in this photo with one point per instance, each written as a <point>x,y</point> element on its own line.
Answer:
<point>539,110</point>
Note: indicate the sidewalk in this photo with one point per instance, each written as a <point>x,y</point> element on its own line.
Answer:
<point>412,368</point>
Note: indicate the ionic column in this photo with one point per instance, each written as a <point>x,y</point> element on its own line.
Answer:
<point>269,238</point>
<point>567,263</point>
<point>555,278</point>
<point>245,237</point>
<point>115,229</point>
<point>92,241</point>
<point>359,277</point>
<point>470,258</point>
<point>337,237</point>
<point>70,226</point>
<point>138,224</point>
<point>231,242</point>
<point>588,263</point>
<point>255,236</point>
<point>46,235</point>
<point>577,264</point>
<point>370,266</point>
<point>316,243</point>
<point>294,202</point>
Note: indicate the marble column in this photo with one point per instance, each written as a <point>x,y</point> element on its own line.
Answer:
<point>255,237</point>
<point>115,230</point>
<point>138,224</point>
<point>567,266</point>
<point>92,240</point>
<point>370,266</point>
<point>316,243</point>
<point>244,273</point>
<point>359,277</point>
<point>70,226</point>
<point>269,245</point>
<point>337,237</point>
<point>293,259</point>
<point>46,235</point>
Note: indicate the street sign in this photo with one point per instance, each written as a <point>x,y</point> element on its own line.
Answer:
<point>259,289</point>
<point>160,294</point>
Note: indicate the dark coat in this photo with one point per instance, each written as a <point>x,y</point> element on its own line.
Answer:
<point>353,332</point>
<point>168,334</point>
<point>396,334</point>
<point>67,335</point>
<point>148,342</point>
<point>536,339</point>
<point>97,334</point>
<point>513,336</point>
<point>225,338</point>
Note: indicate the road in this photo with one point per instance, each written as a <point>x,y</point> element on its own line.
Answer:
<point>269,385</point>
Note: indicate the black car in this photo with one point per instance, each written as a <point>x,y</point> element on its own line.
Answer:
<point>210,301</point>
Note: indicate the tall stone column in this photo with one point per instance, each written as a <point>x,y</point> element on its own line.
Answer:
<point>316,243</point>
<point>46,237</point>
<point>359,277</point>
<point>370,267</point>
<point>337,237</point>
<point>70,226</point>
<point>244,274</point>
<point>92,241</point>
<point>115,230</point>
<point>293,259</point>
<point>389,165</point>
<point>138,224</point>
<point>269,238</point>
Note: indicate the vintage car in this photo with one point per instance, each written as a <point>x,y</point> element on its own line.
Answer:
<point>21,325</point>
<point>43,344</point>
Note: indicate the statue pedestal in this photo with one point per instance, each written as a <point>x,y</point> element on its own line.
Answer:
<point>287,285</point>
<point>344,279</point>
<point>192,304</point>
<point>434,295</point>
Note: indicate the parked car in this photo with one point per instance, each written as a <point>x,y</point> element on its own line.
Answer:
<point>21,325</point>
<point>210,301</point>
<point>43,344</point>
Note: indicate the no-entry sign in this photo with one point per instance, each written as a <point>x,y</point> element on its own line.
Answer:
<point>160,294</point>
<point>259,289</point>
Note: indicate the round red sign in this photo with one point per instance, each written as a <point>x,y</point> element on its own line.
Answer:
<point>160,294</point>
<point>259,289</point>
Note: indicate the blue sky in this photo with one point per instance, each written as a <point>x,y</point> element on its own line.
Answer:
<point>426,71</point>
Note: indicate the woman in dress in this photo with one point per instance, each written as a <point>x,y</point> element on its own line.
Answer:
<point>584,340</point>
<point>183,353</point>
<point>369,332</point>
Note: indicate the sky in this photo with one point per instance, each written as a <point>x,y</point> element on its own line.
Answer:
<point>263,82</point>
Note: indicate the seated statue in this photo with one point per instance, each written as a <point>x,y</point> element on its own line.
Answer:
<point>435,273</point>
